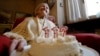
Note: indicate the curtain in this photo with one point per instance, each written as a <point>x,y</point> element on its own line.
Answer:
<point>75,11</point>
<point>92,7</point>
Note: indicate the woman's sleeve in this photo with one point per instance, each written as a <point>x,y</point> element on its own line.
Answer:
<point>21,31</point>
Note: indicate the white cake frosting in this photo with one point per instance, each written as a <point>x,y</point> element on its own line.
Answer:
<point>60,46</point>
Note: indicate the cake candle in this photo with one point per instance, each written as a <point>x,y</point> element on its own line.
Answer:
<point>46,30</point>
<point>63,30</point>
<point>55,31</point>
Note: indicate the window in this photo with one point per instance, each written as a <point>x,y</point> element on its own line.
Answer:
<point>92,7</point>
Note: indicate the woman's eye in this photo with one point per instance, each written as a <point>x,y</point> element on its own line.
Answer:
<point>47,8</point>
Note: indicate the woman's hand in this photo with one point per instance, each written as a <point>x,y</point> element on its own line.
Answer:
<point>17,45</point>
<point>21,45</point>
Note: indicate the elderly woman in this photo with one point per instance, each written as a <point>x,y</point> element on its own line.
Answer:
<point>30,28</point>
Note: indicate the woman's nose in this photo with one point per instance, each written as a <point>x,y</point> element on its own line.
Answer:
<point>45,7</point>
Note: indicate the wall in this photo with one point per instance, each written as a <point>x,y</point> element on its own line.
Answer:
<point>14,6</point>
<point>38,2</point>
<point>7,4</point>
<point>60,12</point>
<point>53,11</point>
<point>26,6</point>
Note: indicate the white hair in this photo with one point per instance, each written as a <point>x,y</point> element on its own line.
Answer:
<point>36,9</point>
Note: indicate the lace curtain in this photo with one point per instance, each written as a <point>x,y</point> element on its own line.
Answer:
<point>75,11</point>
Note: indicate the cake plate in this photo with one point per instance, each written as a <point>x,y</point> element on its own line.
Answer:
<point>87,51</point>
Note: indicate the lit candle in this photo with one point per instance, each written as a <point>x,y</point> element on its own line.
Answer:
<point>46,30</point>
<point>55,30</point>
<point>63,30</point>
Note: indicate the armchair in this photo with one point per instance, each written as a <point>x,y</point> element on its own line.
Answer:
<point>5,43</point>
<point>88,39</point>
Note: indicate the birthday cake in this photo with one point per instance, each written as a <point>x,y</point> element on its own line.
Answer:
<point>58,44</point>
<point>53,42</point>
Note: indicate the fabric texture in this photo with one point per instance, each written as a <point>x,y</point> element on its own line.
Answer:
<point>18,21</point>
<point>5,43</point>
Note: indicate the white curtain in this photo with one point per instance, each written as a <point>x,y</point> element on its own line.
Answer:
<point>92,7</point>
<point>75,11</point>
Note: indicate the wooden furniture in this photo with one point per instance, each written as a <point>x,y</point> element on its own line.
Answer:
<point>86,26</point>
<point>5,27</point>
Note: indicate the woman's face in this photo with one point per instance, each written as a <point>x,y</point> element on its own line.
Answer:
<point>43,10</point>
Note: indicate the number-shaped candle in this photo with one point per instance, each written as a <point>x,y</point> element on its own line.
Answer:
<point>63,30</point>
<point>46,30</point>
<point>55,30</point>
